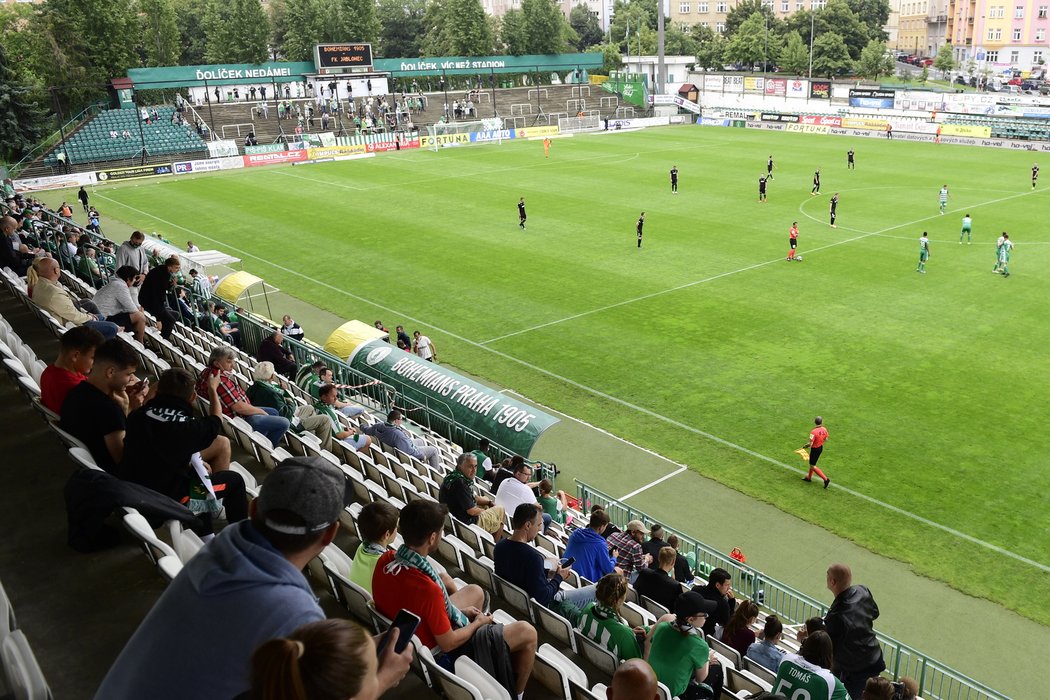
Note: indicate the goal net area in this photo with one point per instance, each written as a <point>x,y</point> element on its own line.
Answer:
<point>571,125</point>
<point>445,134</point>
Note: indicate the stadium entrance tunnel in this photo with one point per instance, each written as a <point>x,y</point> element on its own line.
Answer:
<point>245,290</point>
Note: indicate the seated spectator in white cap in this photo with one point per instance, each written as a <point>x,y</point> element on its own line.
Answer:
<point>245,587</point>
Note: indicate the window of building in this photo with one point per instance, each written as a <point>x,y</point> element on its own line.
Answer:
<point>1017,35</point>
<point>1015,56</point>
<point>992,57</point>
<point>995,34</point>
<point>1037,57</point>
<point>1042,12</point>
<point>784,6</point>
<point>1040,34</point>
<point>1019,12</point>
<point>683,8</point>
<point>701,7</point>
<point>720,27</point>
<point>722,8</point>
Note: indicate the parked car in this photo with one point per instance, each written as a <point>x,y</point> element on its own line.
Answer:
<point>925,62</point>
<point>1014,81</point>
<point>961,80</point>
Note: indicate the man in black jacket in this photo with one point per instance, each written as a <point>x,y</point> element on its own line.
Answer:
<point>154,294</point>
<point>659,583</point>
<point>857,654</point>
<point>719,590</point>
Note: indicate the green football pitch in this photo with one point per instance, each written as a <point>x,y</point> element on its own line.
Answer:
<point>705,345</point>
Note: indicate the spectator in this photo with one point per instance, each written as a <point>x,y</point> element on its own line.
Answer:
<point>267,392</point>
<point>737,633</point>
<point>765,651</point>
<point>849,620</point>
<point>682,571</point>
<point>521,563</point>
<point>810,671</point>
<point>680,655</point>
<point>377,525</point>
<point>719,589</point>
<point>327,660</point>
<point>325,376</point>
<point>600,621</point>
<point>10,256</point>
<point>130,253</point>
<point>380,327</point>
<point>114,300</point>
<point>484,461</point>
<point>655,543</point>
<point>505,471</point>
<point>191,248</point>
<point>265,420</point>
<point>514,492</point>
<point>95,410</point>
<point>87,267</point>
<point>403,341</point>
<point>272,349</point>
<point>200,287</point>
<point>292,329</point>
<point>658,583</point>
<point>326,405</point>
<point>391,433</point>
<point>554,506</point>
<point>76,354</point>
<point>612,529</point>
<point>228,325</point>
<point>457,492</point>
<point>153,294</point>
<point>629,543</point>
<point>878,688</point>
<point>164,440</point>
<point>451,618</point>
<point>424,347</point>
<point>245,587</point>
<point>634,680</point>
<point>308,375</point>
<point>813,624</point>
<point>590,550</point>
<point>51,296</point>
<point>905,689</point>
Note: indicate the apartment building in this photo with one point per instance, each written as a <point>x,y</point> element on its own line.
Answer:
<point>712,13</point>
<point>1000,34</point>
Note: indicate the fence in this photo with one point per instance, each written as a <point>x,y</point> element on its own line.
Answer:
<point>936,681</point>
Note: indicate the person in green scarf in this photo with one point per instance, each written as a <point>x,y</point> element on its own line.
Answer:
<point>266,391</point>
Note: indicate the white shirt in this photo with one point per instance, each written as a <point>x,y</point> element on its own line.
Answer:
<point>512,493</point>
<point>193,249</point>
<point>423,347</point>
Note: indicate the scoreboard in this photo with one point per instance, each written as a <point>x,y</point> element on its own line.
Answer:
<point>335,58</point>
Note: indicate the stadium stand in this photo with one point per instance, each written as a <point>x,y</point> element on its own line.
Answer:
<point>115,135</point>
<point>1006,127</point>
<point>568,665</point>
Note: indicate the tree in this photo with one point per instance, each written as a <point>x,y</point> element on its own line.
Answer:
<point>160,32</point>
<point>904,75</point>
<point>944,61</point>
<point>457,28</point>
<point>401,27</point>
<point>357,20</point>
<point>513,34</point>
<point>189,17</point>
<point>612,60</point>
<point>545,27</point>
<point>830,55</point>
<point>710,48</point>
<point>794,58</point>
<point>925,75</point>
<point>839,18</point>
<point>677,42</point>
<point>304,26</point>
<point>743,10</point>
<point>874,61</point>
<point>747,46</point>
<point>873,14</point>
<point>22,120</point>
<point>588,31</point>
<point>236,31</point>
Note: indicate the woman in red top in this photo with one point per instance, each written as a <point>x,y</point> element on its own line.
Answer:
<point>817,436</point>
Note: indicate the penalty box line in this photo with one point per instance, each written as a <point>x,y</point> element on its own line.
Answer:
<point>591,390</point>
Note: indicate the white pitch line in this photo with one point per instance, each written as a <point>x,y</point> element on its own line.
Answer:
<point>596,392</point>
<point>651,484</point>
<point>662,292</point>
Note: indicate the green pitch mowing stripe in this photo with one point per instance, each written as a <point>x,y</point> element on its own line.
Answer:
<point>927,382</point>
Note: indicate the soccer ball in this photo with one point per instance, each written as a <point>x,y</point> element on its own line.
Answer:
<point>798,257</point>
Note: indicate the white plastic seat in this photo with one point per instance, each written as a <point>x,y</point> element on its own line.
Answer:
<point>169,567</point>
<point>451,686</point>
<point>7,614</point>
<point>596,654</point>
<point>251,484</point>
<point>24,677</point>
<point>140,528</point>
<point>515,596</point>
<point>554,670</point>
<point>468,670</point>
<point>554,624</point>
<point>185,542</point>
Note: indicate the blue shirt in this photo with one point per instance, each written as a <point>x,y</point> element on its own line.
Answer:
<point>591,552</point>
<point>766,654</point>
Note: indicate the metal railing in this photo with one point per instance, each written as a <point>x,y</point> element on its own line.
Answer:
<point>936,680</point>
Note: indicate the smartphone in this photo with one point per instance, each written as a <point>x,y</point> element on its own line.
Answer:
<point>568,562</point>
<point>406,624</point>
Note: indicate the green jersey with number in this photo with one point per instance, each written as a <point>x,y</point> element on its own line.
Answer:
<point>798,679</point>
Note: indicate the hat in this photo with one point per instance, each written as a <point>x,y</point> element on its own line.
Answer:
<point>692,603</point>
<point>636,525</point>
<point>311,488</point>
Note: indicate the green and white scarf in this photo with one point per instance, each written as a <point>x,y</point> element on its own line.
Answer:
<point>409,558</point>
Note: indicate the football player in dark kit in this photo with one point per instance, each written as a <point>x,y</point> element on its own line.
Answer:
<point>769,168</point>
<point>761,189</point>
<point>816,182</point>
<point>850,165</point>
<point>521,213</point>
<point>641,223</point>
<point>674,179</point>
<point>834,208</point>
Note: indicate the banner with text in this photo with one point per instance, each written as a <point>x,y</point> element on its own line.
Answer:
<point>713,83</point>
<point>54,182</point>
<point>966,130</point>
<point>797,88</point>
<point>219,149</point>
<point>871,99</point>
<point>271,158</point>
<point>753,85</point>
<point>132,173</point>
<point>855,123</point>
<point>819,120</point>
<point>265,148</point>
<point>776,87</point>
<point>820,89</point>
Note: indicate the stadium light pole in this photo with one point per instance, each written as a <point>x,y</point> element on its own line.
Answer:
<point>660,68</point>
<point>812,19</point>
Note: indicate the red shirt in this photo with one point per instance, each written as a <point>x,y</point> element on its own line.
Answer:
<point>817,436</point>
<point>229,391</point>
<point>794,232</point>
<point>55,383</point>
<point>414,591</point>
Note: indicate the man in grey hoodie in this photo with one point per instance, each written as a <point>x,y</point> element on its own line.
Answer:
<point>244,588</point>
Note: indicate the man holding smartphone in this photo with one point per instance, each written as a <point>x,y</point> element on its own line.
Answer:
<point>520,563</point>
